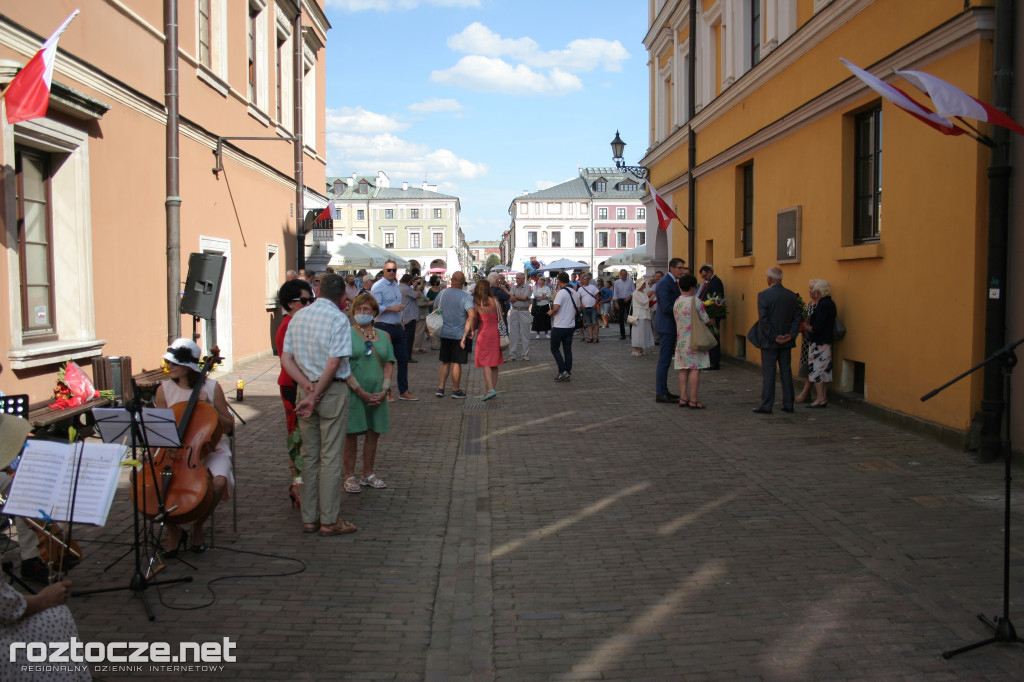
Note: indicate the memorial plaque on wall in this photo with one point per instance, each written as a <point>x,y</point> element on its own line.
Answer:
<point>788,235</point>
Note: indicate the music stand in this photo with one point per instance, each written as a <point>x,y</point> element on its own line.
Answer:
<point>130,423</point>
<point>1002,628</point>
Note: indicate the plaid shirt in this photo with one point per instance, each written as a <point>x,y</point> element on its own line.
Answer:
<point>315,334</point>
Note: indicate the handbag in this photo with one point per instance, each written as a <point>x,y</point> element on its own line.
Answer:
<point>435,321</point>
<point>701,338</point>
<point>838,330</point>
<point>631,319</point>
<point>503,339</point>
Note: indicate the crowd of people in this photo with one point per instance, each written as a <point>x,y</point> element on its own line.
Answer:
<point>363,332</point>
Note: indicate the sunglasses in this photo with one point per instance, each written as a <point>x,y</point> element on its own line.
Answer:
<point>303,300</point>
<point>369,348</point>
<point>390,269</point>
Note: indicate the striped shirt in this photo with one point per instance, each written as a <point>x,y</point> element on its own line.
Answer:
<point>317,333</point>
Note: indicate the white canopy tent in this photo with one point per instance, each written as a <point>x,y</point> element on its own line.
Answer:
<point>350,253</point>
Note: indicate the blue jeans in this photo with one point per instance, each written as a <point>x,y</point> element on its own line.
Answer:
<point>562,337</point>
<point>397,334</point>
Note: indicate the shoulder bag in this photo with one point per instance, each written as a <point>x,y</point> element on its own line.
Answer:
<point>701,338</point>
<point>434,320</point>
<point>503,339</point>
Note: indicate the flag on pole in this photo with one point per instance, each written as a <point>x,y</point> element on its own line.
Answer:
<point>903,101</point>
<point>326,214</point>
<point>952,101</point>
<point>28,95</point>
<point>665,213</point>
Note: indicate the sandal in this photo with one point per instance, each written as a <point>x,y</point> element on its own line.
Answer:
<point>697,405</point>
<point>352,485</point>
<point>311,527</point>
<point>342,527</point>
<point>372,481</point>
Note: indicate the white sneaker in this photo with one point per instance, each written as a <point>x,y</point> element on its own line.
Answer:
<point>511,358</point>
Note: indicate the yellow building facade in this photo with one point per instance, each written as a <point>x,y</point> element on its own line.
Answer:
<point>799,164</point>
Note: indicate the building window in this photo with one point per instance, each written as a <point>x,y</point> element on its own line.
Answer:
<point>35,243</point>
<point>437,213</point>
<point>867,219</point>
<point>437,238</point>
<point>579,240</point>
<point>389,240</point>
<point>361,236</point>
<point>602,214</point>
<point>204,33</point>
<point>389,214</point>
<point>282,42</point>
<point>620,240</point>
<point>360,214</point>
<point>337,212</point>
<point>414,240</point>
<point>628,187</point>
<point>641,214</point>
<point>273,274</point>
<point>531,240</point>
<point>641,238</point>
<point>414,213</point>
<point>363,188</point>
<point>254,15</point>
<point>602,240</point>
<point>620,214</point>
<point>747,229</point>
<point>755,31</point>
<point>601,186</point>
<point>556,240</point>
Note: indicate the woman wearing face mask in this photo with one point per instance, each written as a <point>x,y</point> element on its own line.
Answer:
<point>372,364</point>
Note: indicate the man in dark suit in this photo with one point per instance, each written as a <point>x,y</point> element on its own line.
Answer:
<point>778,319</point>
<point>667,291</point>
<point>711,286</point>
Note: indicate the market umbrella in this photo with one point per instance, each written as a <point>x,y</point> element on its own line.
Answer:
<point>500,268</point>
<point>349,253</point>
<point>566,264</point>
<point>632,257</point>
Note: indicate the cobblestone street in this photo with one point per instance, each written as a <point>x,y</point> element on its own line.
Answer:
<point>574,531</point>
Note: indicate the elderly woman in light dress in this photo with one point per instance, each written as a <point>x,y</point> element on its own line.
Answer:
<point>688,361</point>
<point>820,330</point>
<point>642,334</point>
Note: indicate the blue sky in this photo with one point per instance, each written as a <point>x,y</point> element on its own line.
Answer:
<point>484,98</point>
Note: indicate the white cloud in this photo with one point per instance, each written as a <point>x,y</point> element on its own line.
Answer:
<point>388,5</point>
<point>481,73</point>
<point>435,104</point>
<point>583,54</point>
<point>401,159</point>
<point>359,120</point>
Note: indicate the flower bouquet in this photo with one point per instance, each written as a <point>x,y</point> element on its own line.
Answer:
<point>716,308</point>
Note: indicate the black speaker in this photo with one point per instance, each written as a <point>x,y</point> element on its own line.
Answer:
<point>202,287</point>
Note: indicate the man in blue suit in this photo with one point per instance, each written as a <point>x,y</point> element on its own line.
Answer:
<point>778,319</point>
<point>667,291</point>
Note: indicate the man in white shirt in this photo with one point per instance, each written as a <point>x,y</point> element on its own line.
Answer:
<point>588,303</point>
<point>563,326</point>
<point>519,319</point>
<point>622,292</point>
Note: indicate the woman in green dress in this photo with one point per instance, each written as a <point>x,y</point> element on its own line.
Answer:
<point>372,364</point>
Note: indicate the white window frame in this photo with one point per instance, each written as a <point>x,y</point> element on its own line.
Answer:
<point>262,101</point>
<point>602,236</point>
<point>389,234</point>
<point>434,234</point>
<point>414,235</point>
<point>621,239</point>
<point>602,213</point>
<point>641,213</point>
<point>273,275</point>
<point>620,213</point>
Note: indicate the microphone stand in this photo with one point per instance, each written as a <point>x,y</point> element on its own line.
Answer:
<point>140,581</point>
<point>1002,628</point>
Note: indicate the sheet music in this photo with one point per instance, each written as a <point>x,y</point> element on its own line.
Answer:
<point>46,475</point>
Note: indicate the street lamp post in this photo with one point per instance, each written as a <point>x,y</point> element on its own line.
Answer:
<point>617,148</point>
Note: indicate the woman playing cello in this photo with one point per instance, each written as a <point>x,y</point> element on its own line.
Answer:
<point>183,363</point>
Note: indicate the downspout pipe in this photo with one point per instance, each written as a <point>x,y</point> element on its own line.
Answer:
<point>691,95</point>
<point>300,237</point>
<point>172,203</point>
<point>999,171</point>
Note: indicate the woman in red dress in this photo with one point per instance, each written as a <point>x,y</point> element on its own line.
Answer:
<point>488,345</point>
<point>293,296</point>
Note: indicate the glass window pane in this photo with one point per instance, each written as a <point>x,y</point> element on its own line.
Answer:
<point>38,303</point>
<point>35,222</point>
<point>37,265</point>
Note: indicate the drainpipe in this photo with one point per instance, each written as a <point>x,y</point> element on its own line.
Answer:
<point>173,202</point>
<point>691,87</point>
<point>300,237</point>
<point>999,171</point>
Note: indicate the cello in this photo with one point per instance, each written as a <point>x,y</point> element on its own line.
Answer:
<point>175,483</point>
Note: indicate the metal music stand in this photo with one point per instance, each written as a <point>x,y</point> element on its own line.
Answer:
<point>139,432</point>
<point>1002,628</point>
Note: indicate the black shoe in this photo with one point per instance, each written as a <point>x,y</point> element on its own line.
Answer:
<point>666,399</point>
<point>411,360</point>
<point>35,570</point>
<point>758,410</point>
<point>788,409</point>
<point>672,395</point>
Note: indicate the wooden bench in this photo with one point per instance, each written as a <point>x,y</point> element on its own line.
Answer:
<point>53,424</point>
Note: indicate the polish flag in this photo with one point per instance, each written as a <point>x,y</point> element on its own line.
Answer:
<point>28,95</point>
<point>903,101</point>
<point>326,214</point>
<point>665,214</point>
<point>952,101</point>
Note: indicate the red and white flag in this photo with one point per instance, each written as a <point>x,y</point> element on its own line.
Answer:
<point>903,101</point>
<point>327,213</point>
<point>952,101</point>
<point>28,95</point>
<point>665,213</point>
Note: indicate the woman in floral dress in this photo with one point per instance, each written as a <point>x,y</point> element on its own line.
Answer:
<point>688,361</point>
